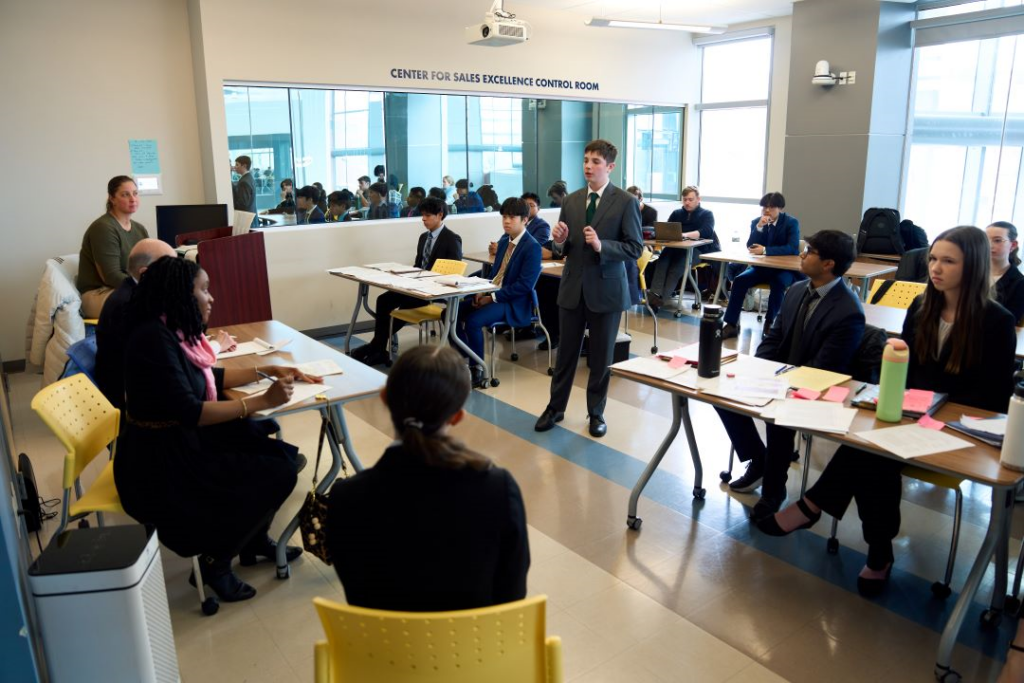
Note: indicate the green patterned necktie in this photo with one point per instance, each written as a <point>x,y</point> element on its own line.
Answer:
<point>591,207</point>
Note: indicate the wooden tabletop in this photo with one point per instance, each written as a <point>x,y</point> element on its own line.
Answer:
<point>680,244</point>
<point>890,319</point>
<point>554,270</point>
<point>979,464</point>
<point>858,270</point>
<point>424,296</point>
<point>356,382</point>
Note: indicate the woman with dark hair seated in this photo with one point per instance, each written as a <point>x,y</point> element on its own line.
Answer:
<point>432,526</point>
<point>189,462</point>
<point>1007,280</point>
<point>961,343</point>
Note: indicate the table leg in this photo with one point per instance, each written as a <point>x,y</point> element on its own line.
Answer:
<point>361,297</point>
<point>691,440</point>
<point>341,427</point>
<point>806,463</point>
<point>721,282</point>
<point>693,280</point>
<point>452,318</point>
<point>865,287</point>
<point>993,536</point>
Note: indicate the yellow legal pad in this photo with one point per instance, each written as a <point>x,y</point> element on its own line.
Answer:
<point>813,378</point>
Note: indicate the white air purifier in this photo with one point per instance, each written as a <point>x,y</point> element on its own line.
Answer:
<point>102,607</point>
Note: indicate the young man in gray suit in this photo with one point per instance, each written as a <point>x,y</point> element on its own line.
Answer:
<point>598,231</point>
<point>244,191</point>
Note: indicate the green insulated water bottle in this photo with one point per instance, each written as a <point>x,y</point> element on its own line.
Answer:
<point>893,382</point>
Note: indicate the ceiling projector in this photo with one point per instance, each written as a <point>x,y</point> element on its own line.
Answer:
<point>499,28</point>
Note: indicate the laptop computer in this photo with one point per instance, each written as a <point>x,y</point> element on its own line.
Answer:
<point>668,232</point>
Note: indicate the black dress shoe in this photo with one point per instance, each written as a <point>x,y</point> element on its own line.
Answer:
<point>730,331</point>
<point>655,301</point>
<point>750,480</point>
<point>766,507</point>
<point>872,588</point>
<point>225,583</point>
<point>477,376</point>
<point>598,427</point>
<point>375,358</point>
<point>770,526</point>
<point>360,352</point>
<point>548,419</point>
<point>267,550</point>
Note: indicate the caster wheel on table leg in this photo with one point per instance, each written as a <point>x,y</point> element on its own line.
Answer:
<point>210,606</point>
<point>634,523</point>
<point>1011,606</point>
<point>695,306</point>
<point>83,524</point>
<point>991,618</point>
<point>654,349</point>
<point>941,590</point>
<point>725,476</point>
<point>283,572</point>
<point>678,314</point>
<point>388,363</point>
<point>551,372</point>
<point>699,493</point>
<point>760,318</point>
<point>515,357</point>
<point>832,546</point>
<point>495,381</point>
<point>944,674</point>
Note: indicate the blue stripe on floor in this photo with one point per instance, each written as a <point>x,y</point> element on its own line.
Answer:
<point>908,595</point>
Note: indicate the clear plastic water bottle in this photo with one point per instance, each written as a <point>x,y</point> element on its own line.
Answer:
<point>1012,455</point>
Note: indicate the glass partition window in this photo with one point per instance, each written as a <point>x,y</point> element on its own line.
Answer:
<point>654,150</point>
<point>357,136</point>
<point>259,127</point>
<point>967,135</point>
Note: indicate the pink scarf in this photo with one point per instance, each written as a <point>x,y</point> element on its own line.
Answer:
<point>201,355</point>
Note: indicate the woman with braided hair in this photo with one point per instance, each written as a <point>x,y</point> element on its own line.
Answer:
<point>432,526</point>
<point>189,462</point>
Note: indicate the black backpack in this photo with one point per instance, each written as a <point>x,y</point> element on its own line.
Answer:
<point>866,365</point>
<point>880,232</point>
<point>914,236</point>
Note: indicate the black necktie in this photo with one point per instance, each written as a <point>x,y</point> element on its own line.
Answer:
<point>591,207</point>
<point>801,322</point>
<point>428,246</point>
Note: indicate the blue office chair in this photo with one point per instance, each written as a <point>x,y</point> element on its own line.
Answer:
<point>500,327</point>
<point>82,358</point>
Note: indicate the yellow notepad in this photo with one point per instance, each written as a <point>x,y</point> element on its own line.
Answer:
<point>813,378</point>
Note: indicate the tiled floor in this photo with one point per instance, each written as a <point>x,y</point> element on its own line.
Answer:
<point>696,595</point>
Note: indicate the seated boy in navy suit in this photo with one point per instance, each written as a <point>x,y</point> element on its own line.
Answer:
<point>820,325</point>
<point>516,269</point>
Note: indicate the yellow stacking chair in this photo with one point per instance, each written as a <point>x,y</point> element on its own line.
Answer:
<point>641,264</point>
<point>501,644</point>
<point>899,295</point>
<point>86,424</point>
<point>423,315</point>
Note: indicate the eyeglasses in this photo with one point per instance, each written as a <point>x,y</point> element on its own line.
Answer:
<point>1000,240</point>
<point>808,249</point>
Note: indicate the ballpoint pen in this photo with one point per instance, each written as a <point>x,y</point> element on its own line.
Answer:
<point>784,368</point>
<point>861,388</point>
<point>260,373</point>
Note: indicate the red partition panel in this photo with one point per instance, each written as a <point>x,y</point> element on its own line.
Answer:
<point>238,279</point>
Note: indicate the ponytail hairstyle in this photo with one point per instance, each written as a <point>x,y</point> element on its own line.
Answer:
<point>1011,233</point>
<point>167,288</point>
<point>114,185</point>
<point>965,342</point>
<point>426,386</point>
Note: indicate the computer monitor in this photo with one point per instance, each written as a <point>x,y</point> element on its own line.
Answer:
<point>172,220</point>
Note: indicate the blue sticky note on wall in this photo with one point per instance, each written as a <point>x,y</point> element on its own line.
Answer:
<point>144,156</point>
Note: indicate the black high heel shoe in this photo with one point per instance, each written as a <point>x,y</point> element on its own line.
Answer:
<point>872,588</point>
<point>225,583</point>
<point>267,550</point>
<point>769,526</point>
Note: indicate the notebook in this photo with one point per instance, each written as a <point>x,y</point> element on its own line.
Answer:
<point>913,401</point>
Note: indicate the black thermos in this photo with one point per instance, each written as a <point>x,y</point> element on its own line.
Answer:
<point>709,360</point>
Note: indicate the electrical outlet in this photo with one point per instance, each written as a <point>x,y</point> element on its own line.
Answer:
<point>842,78</point>
<point>851,77</point>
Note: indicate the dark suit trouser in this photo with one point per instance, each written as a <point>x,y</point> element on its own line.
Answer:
<point>773,459</point>
<point>387,302</point>
<point>547,303</point>
<point>877,486</point>
<point>603,331</point>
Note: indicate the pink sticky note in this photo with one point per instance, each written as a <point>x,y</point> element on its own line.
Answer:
<point>918,400</point>
<point>807,394</point>
<point>929,422</point>
<point>677,362</point>
<point>836,394</point>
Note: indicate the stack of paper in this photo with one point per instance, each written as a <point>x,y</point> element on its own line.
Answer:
<point>813,378</point>
<point>691,354</point>
<point>651,367</point>
<point>391,267</point>
<point>257,346</point>
<point>818,416</point>
<point>320,368</point>
<point>913,441</point>
<point>752,391</point>
<point>463,283</point>
<point>990,431</point>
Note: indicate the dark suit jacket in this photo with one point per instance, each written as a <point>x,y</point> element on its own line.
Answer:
<point>314,215</point>
<point>701,220</point>
<point>111,339</point>
<point>379,212</point>
<point>781,239</point>
<point>448,245</point>
<point>1010,292</point>
<point>598,280</point>
<point>831,336</point>
<point>471,203</point>
<point>986,385</point>
<point>521,275</point>
<point>244,194</point>
<point>539,230</point>
<point>408,536</point>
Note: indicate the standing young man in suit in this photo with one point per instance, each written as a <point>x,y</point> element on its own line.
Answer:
<point>438,242</point>
<point>244,191</point>
<point>598,231</point>
<point>820,325</point>
<point>517,267</point>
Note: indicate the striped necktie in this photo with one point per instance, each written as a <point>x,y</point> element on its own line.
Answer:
<point>504,264</point>
<point>428,246</point>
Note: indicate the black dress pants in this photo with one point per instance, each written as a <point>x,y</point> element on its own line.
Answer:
<point>773,460</point>
<point>603,331</point>
<point>387,302</point>
<point>876,484</point>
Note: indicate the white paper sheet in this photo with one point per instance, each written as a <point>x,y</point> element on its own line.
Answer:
<point>995,426</point>
<point>913,441</point>
<point>321,368</point>
<point>256,346</point>
<point>651,367</point>
<point>301,393</point>
<point>392,267</point>
<point>242,222</point>
<point>820,416</point>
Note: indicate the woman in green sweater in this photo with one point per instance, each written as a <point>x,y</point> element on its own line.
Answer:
<point>103,261</point>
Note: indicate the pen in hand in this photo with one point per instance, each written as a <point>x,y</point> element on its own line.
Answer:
<point>260,373</point>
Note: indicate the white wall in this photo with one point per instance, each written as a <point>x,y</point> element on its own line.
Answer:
<point>79,79</point>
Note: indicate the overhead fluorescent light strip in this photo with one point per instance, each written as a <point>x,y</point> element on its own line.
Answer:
<point>656,25</point>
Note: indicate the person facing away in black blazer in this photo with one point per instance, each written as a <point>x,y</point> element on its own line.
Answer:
<point>961,343</point>
<point>432,526</point>
<point>1007,279</point>
<point>598,231</point>
<point>438,242</point>
<point>820,325</point>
